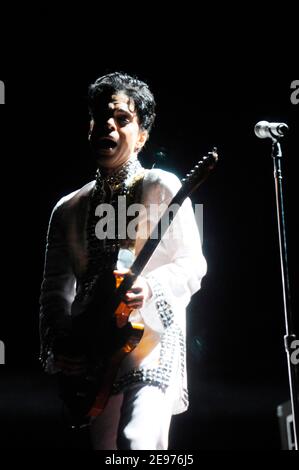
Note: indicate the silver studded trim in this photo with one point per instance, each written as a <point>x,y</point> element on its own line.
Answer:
<point>160,376</point>
<point>185,399</point>
<point>102,254</point>
<point>171,340</point>
<point>162,306</point>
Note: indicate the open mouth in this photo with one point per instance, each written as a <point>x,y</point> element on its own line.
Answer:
<point>106,144</point>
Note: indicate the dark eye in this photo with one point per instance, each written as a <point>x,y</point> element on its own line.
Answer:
<point>123,119</point>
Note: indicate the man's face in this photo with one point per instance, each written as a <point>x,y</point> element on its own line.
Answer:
<point>115,134</point>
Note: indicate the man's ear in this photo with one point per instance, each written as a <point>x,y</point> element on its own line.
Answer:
<point>142,138</point>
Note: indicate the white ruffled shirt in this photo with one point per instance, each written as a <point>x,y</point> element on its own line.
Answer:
<point>174,274</point>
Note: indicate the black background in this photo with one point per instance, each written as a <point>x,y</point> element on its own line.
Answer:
<point>236,359</point>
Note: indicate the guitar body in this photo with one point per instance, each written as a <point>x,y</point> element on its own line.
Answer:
<point>103,336</point>
<point>86,395</point>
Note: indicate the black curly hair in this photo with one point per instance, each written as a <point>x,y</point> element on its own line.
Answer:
<point>134,88</point>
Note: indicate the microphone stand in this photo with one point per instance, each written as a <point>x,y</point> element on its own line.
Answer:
<point>290,335</point>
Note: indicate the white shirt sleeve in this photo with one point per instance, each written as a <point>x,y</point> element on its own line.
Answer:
<point>178,265</point>
<point>58,287</point>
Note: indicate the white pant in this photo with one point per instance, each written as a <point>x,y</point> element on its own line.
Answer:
<point>137,419</point>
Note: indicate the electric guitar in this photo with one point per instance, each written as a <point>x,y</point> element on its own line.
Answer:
<point>106,339</point>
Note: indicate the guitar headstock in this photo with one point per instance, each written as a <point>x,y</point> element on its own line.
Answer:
<point>201,169</point>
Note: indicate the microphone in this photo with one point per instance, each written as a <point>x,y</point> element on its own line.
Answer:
<point>272,130</point>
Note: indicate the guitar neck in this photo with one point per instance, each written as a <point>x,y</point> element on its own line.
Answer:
<point>189,184</point>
